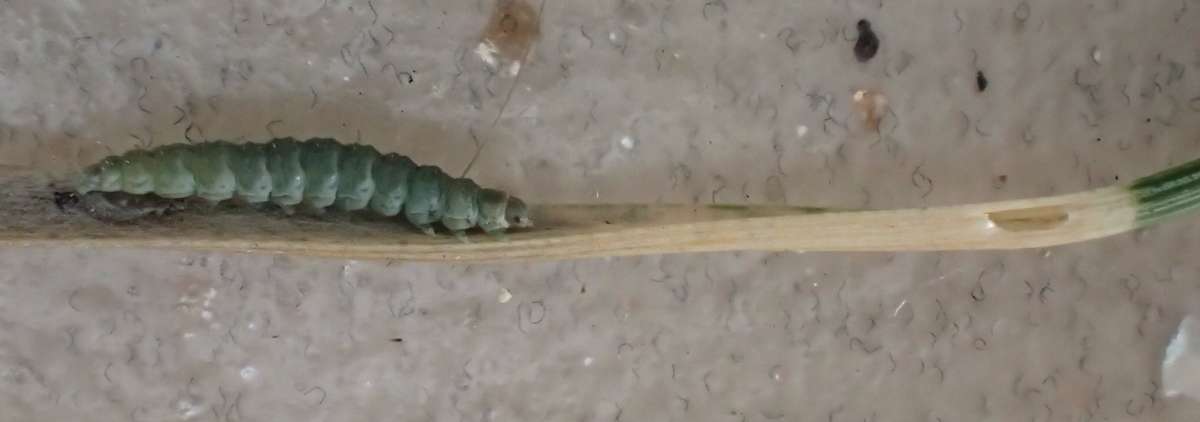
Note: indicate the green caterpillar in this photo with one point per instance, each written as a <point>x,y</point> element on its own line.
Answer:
<point>318,173</point>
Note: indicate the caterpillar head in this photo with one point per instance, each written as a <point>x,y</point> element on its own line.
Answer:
<point>92,179</point>
<point>498,211</point>
<point>104,176</point>
<point>517,213</point>
<point>88,181</point>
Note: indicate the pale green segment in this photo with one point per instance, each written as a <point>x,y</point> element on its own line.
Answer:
<point>108,175</point>
<point>136,177</point>
<point>287,177</point>
<point>391,173</point>
<point>462,212</point>
<point>356,183</point>
<point>426,201</point>
<point>210,167</point>
<point>104,176</point>
<point>319,159</point>
<point>172,177</point>
<point>492,205</point>
<point>249,165</point>
<point>88,181</point>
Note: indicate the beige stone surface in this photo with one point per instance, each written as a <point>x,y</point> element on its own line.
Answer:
<point>665,100</point>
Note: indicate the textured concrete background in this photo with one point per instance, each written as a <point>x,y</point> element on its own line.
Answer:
<point>620,101</point>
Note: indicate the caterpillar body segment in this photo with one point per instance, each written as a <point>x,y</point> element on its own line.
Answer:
<point>356,183</point>
<point>318,173</point>
<point>249,165</point>
<point>461,211</point>
<point>287,176</point>
<point>391,173</point>
<point>319,158</point>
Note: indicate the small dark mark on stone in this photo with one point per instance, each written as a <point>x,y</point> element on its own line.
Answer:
<point>999,181</point>
<point>867,44</point>
<point>397,340</point>
<point>63,200</point>
<point>981,81</point>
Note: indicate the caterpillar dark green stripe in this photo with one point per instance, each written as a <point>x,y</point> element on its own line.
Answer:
<point>1167,193</point>
<point>318,173</point>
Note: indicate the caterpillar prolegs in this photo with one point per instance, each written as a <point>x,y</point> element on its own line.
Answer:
<point>318,173</point>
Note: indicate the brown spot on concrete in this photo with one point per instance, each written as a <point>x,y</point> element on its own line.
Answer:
<point>512,29</point>
<point>871,105</point>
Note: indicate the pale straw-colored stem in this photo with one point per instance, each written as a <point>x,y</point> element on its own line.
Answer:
<point>585,231</point>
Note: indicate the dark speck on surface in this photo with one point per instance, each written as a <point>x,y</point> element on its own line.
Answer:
<point>981,81</point>
<point>867,44</point>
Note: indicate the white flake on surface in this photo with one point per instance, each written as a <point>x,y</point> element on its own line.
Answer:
<point>248,373</point>
<point>487,52</point>
<point>628,142</point>
<point>1181,361</point>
